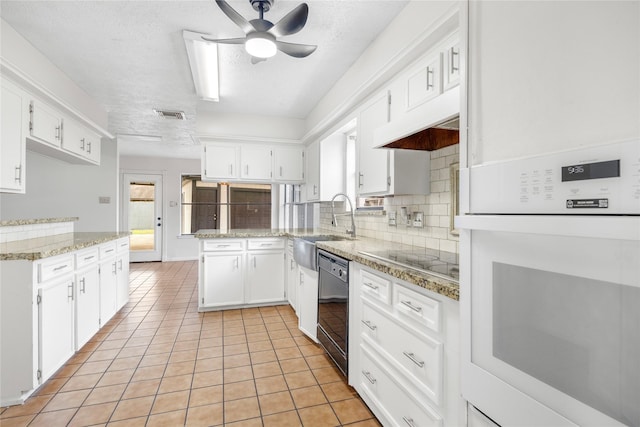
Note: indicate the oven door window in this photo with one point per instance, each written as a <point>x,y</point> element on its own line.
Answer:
<point>558,326</point>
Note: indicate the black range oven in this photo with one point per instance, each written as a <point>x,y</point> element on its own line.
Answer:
<point>333,307</point>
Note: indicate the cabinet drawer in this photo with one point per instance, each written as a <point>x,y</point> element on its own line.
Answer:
<point>107,250</point>
<point>394,401</point>
<point>266,244</point>
<point>54,267</point>
<point>222,245</point>
<point>418,356</point>
<point>86,257</point>
<point>417,308</point>
<point>122,245</point>
<point>375,286</point>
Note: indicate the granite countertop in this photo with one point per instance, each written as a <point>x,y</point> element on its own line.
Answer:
<point>350,249</point>
<point>43,247</point>
<point>13,222</point>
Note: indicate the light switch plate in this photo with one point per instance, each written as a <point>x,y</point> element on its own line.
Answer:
<point>104,200</point>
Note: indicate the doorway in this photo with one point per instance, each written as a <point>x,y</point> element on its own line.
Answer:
<point>142,216</point>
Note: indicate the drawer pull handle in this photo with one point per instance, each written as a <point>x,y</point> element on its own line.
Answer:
<point>370,285</point>
<point>87,258</point>
<point>108,250</point>
<point>411,306</point>
<point>370,325</point>
<point>412,357</point>
<point>222,246</point>
<point>266,244</point>
<point>61,267</point>
<point>368,376</point>
<point>409,421</point>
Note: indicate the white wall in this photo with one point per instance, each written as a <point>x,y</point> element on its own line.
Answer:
<point>174,247</point>
<point>59,189</point>
<point>17,53</point>
<point>244,125</point>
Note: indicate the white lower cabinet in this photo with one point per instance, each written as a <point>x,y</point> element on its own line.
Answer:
<point>238,272</point>
<point>292,277</point>
<point>222,280</point>
<point>308,302</point>
<point>55,324</point>
<point>87,292</point>
<point>122,272</point>
<point>404,351</point>
<point>52,308</point>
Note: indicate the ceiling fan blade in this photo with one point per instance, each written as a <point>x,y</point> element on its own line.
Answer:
<point>261,25</point>
<point>226,41</point>
<point>292,22</point>
<point>255,60</point>
<point>296,50</point>
<point>235,16</point>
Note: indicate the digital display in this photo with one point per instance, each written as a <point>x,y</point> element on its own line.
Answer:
<point>609,169</point>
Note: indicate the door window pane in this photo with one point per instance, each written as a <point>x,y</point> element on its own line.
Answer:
<point>141,216</point>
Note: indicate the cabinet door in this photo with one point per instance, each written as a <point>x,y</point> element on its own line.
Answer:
<point>122,280</point>
<point>292,285</point>
<point>288,164</point>
<point>425,83</point>
<point>87,319</point>
<point>46,124</point>
<point>265,277</point>
<point>55,325</point>
<point>373,165</point>
<point>452,65</point>
<point>308,302</point>
<point>108,290</point>
<point>312,182</point>
<point>74,139</point>
<point>220,161</point>
<point>256,163</point>
<point>222,280</point>
<point>13,124</point>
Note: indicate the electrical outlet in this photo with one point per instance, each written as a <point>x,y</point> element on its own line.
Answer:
<point>392,219</point>
<point>418,219</point>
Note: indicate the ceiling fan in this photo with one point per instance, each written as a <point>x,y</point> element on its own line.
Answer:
<point>261,41</point>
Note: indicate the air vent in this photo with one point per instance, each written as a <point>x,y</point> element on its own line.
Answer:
<point>177,115</point>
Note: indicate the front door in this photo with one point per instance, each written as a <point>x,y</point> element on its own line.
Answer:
<point>142,216</point>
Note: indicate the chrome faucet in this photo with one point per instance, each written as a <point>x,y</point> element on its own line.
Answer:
<point>352,232</point>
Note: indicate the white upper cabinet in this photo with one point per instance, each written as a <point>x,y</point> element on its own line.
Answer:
<point>425,83</point>
<point>252,162</point>
<point>46,124</point>
<point>325,168</point>
<point>288,164</point>
<point>255,162</point>
<point>451,62</point>
<point>373,164</point>
<point>220,162</point>
<point>13,125</point>
<point>81,141</point>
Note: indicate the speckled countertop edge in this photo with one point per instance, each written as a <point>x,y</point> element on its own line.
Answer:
<point>44,247</point>
<point>350,249</point>
<point>13,222</point>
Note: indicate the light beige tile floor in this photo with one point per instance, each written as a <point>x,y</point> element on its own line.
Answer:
<point>159,362</point>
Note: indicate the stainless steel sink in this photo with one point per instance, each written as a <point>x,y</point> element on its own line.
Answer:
<point>305,252</point>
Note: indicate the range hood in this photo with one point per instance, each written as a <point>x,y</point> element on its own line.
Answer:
<point>430,126</point>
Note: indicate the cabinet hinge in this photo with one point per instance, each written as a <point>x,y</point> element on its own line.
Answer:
<point>389,181</point>
<point>31,116</point>
<point>205,172</point>
<point>203,259</point>
<point>38,299</point>
<point>203,301</point>
<point>39,374</point>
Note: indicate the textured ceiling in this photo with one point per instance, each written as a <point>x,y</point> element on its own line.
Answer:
<point>130,56</point>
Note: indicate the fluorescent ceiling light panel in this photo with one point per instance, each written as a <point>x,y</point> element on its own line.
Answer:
<point>203,59</point>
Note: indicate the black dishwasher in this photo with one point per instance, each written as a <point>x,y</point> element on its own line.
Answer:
<point>333,307</point>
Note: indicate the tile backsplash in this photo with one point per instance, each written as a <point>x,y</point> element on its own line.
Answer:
<point>436,208</point>
<point>12,233</point>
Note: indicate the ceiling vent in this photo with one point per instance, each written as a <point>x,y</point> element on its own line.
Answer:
<point>177,115</point>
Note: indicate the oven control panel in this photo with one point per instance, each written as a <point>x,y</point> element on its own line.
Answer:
<point>602,180</point>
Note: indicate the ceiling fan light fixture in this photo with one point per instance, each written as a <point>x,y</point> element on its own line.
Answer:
<point>261,45</point>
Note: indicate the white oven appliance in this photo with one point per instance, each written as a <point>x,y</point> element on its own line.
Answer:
<point>550,297</point>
